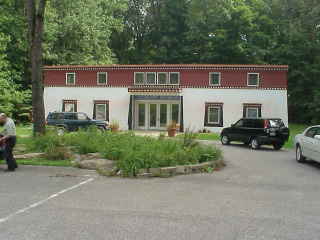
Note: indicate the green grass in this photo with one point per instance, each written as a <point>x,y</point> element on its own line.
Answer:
<point>45,162</point>
<point>294,130</point>
<point>24,130</point>
<point>209,136</point>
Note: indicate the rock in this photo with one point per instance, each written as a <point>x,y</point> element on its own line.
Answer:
<point>91,156</point>
<point>168,171</point>
<point>77,158</point>
<point>142,171</point>
<point>95,164</point>
<point>155,171</point>
<point>145,175</point>
<point>181,169</point>
<point>29,155</point>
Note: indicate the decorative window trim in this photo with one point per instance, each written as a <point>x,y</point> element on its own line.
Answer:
<point>170,78</point>
<point>106,74</point>
<point>101,102</point>
<point>167,78</point>
<point>155,78</point>
<point>71,73</point>
<point>258,83</point>
<point>206,117</point>
<point>212,73</point>
<point>247,106</point>
<point>75,102</point>
<point>144,78</point>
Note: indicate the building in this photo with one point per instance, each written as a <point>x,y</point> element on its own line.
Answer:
<point>149,97</point>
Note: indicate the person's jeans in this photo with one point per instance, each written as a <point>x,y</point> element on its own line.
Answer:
<point>8,155</point>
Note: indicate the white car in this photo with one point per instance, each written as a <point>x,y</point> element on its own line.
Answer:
<point>308,144</point>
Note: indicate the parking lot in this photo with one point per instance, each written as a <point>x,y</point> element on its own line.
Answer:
<point>261,194</point>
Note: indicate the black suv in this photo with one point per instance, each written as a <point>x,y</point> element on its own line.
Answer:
<point>73,121</point>
<point>257,132</point>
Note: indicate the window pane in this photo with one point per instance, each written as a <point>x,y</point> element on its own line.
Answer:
<point>139,78</point>
<point>311,133</point>
<point>82,116</point>
<point>70,78</point>
<point>252,112</point>
<point>70,116</point>
<point>153,115</point>
<point>253,79</point>
<point>142,115</point>
<point>175,112</point>
<point>213,114</point>
<point>69,107</point>
<point>102,78</point>
<point>163,115</point>
<point>174,78</point>
<point>162,78</point>
<point>101,111</point>
<point>215,79</point>
<point>151,78</point>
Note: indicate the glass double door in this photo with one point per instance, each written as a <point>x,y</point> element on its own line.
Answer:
<point>153,115</point>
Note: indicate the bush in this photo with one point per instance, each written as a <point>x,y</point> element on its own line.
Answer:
<point>129,151</point>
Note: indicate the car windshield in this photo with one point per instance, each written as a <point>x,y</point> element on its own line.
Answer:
<point>276,123</point>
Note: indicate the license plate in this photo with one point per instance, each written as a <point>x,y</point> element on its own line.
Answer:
<point>272,134</point>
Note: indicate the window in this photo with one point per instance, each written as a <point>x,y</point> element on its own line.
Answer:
<point>138,78</point>
<point>174,78</point>
<point>162,78</point>
<point>253,79</point>
<point>175,113</point>
<point>70,116</point>
<point>252,110</point>
<point>214,115</point>
<point>102,78</point>
<point>69,106</point>
<point>101,110</point>
<point>70,78</point>
<point>82,116</point>
<point>239,123</point>
<point>151,78</point>
<point>313,132</point>
<point>215,78</point>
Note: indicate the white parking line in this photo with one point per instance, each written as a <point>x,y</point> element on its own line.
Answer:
<point>37,204</point>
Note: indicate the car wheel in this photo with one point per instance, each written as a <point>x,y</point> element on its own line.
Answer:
<point>225,140</point>
<point>277,146</point>
<point>254,143</point>
<point>299,156</point>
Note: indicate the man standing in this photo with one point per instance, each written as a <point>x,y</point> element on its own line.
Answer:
<point>9,139</point>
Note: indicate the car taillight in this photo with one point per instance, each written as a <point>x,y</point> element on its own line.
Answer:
<point>266,124</point>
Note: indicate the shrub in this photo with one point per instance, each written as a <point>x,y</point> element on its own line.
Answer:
<point>130,152</point>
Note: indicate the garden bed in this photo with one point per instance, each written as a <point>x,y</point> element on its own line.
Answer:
<point>132,155</point>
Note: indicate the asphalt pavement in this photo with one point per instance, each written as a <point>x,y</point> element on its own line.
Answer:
<point>261,194</point>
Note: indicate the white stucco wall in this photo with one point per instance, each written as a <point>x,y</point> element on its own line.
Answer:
<point>274,104</point>
<point>118,106</point>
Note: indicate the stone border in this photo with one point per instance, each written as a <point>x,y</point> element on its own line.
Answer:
<point>164,172</point>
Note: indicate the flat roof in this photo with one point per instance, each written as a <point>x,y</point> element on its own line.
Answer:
<point>285,67</point>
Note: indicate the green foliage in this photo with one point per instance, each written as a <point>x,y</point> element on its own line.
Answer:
<point>131,152</point>
<point>167,31</point>
<point>78,32</point>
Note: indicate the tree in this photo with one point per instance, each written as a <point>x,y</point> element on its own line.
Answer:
<point>78,32</point>
<point>35,14</point>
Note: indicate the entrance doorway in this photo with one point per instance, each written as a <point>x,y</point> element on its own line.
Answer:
<point>156,115</point>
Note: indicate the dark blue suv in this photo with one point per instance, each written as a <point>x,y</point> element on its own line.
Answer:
<point>73,121</point>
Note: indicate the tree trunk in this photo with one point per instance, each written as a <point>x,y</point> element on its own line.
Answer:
<point>35,13</point>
